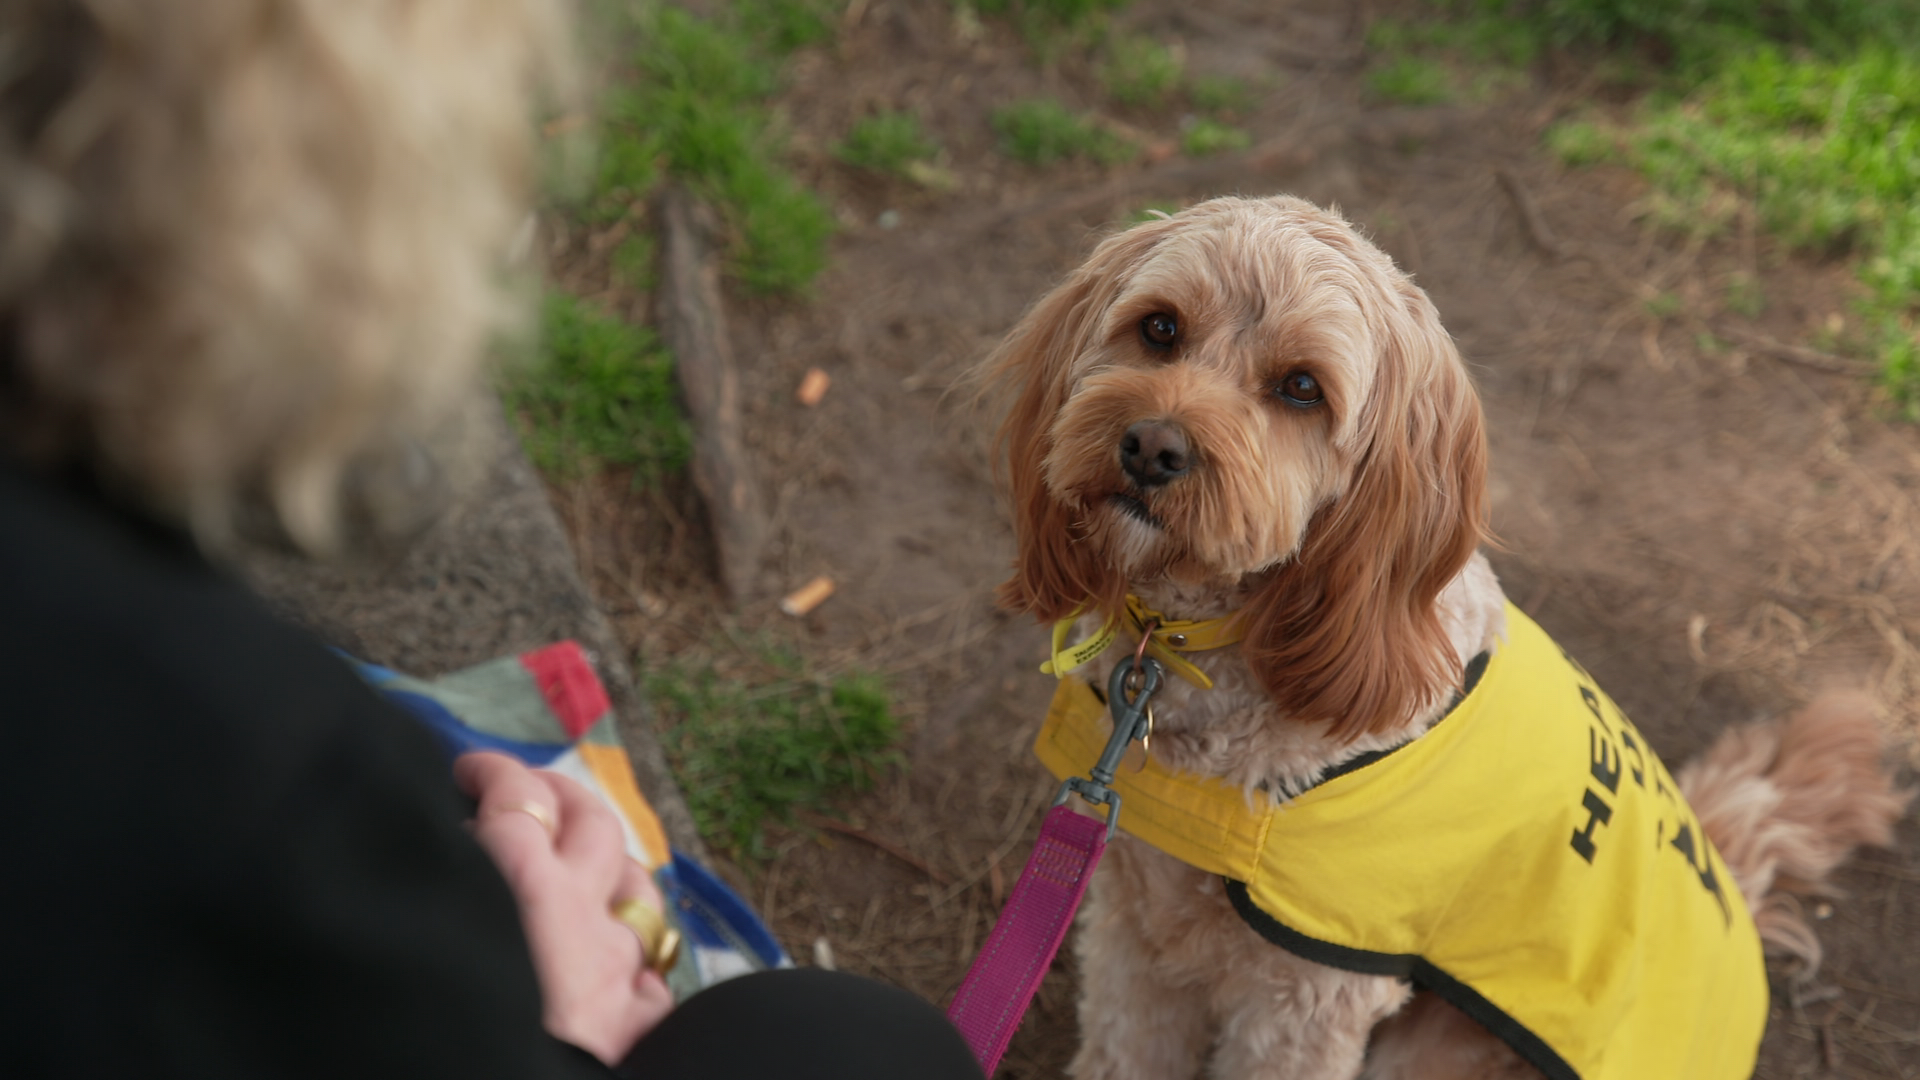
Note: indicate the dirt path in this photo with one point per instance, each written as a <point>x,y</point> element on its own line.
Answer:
<point>1714,533</point>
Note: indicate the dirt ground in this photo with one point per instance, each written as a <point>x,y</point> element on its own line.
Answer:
<point>1716,533</point>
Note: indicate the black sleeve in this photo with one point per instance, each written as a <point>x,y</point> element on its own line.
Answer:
<point>225,856</point>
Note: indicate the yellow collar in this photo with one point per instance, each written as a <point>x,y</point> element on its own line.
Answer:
<point>1170,638</point>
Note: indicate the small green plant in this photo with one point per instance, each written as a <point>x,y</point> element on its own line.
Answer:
<point>1219,94</point>
<point>633,262</point>
<point>785,25</point>
<point>1411,80</point>
<point>1042,132</point>
<point>1663,306</point>
<point>749,754</point>
<point>1141,71</point>
<point>887,142</point>
<point>697,107</point>
<point>1212,137</point>
<point>1045,19</point>
<point>1581,142</point>
<point>598,392</point>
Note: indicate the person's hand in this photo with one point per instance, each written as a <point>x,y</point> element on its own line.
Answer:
<point>564,857</point>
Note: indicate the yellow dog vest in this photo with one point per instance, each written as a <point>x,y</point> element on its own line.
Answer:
<point>1529,859</point>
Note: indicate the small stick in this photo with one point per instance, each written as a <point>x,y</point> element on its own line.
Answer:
<point>1530,215</point>
<point>1796,354</point>
<point>1876,991</point>
<point>888,846</point>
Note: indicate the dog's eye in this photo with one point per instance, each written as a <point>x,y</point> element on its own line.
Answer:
<point>1159,330</point>
<point>1299,389</point>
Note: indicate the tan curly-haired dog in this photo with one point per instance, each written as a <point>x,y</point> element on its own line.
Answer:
<point>1247,410</point>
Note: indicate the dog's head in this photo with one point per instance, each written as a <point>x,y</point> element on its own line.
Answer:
<point>1249,394</point>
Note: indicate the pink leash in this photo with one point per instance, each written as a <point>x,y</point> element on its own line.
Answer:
<point>1005,975</point>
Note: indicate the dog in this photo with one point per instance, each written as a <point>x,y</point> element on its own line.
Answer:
<point>1244,418</point>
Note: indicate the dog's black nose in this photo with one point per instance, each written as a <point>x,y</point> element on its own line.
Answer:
<point>1154,452</point>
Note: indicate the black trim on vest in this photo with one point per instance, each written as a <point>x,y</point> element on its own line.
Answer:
<point>1405,966</point>
<point>1476,667</point>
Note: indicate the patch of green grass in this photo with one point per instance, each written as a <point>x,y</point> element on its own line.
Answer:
<point>598,392</point>
<point>1219,94</point>
<point>1472,32</point>
<point>1042,132</point>
<point>634,260</point>
<point>1699,34</point>
<point>887,142</point>
<point>1582,142</point>
<point>786,25</point>
<point>1212,137</point>
<point>1828,154</point>
<point>697,108</point>
<point>1046,15</point>
<point>1411,80</point>
<point>1140,71</point>
<point>1805,113</point>
<point>1664,306</point>
<point>748,754</point>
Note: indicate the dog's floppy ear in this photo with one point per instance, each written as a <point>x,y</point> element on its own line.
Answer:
<point>1349,630</point>
<point>1054,571</point>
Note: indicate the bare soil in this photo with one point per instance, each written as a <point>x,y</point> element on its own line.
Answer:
<point>1716,533</point>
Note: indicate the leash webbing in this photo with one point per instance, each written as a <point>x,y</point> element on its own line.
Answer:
<point>1007,972</point>
<point>1001,983</point>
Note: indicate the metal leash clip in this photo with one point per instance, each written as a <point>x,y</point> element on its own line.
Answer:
<point>1132,719</point>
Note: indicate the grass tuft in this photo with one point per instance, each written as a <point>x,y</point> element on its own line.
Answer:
<point>782,26</point>
<point>1042,132</point>
<point>634,261</point>
<point>698,109</point>
<point>1582,142</point>
<point>1218,94</point>
<point>598,392</point>
<point>1411,80</point>
<point>748,754</point>
<point>887,142</point>
<point>1141,71</point>
<point>1212,137</point>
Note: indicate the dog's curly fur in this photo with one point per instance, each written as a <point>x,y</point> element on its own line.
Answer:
<point>1347,531</point>
<point>242,241</point>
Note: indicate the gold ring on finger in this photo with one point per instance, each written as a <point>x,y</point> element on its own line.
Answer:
<point>659,941</point>
<point>533,810</point>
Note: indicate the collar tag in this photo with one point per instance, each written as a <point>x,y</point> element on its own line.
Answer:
<point>1066,659</point>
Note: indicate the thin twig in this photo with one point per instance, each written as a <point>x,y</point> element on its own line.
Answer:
<point>1888,870</point>
<point>1796,354</point>
<point>1530,215</point>
<point>821,821</point>
<point>1877,991</point>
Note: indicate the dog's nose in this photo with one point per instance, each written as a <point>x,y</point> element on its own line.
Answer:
<point>1154,452</point>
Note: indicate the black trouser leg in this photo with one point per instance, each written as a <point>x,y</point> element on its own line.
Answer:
<point>803,1024</point>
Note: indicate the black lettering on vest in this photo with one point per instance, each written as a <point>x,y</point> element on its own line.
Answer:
<point>1638,770</point>
<point>1592,702</point>
<point>1702,866</point>
<point>1598,814</point>
<point>1597,748</point>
